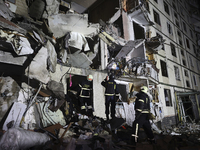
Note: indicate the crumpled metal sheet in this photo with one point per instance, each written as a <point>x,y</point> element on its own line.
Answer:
<point>38,67</point>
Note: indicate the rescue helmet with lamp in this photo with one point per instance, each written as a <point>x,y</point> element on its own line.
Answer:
<point>144,89</point>
<point>89,77</point>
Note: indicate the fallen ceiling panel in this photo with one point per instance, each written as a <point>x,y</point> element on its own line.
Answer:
<point>79,60</point>
<point>8,58</point>
<point>38,67</point>
<point>129,48</point>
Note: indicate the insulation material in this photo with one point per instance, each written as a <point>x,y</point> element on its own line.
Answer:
<point>78,41</point>
<point>38,67</point>
<point>49,117</point>
<point>16,139</point>
<point>127,112</point>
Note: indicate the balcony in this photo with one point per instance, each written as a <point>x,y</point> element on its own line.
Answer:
<point>138,12</point>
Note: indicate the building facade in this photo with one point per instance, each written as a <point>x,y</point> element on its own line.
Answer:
<point>157,43</point>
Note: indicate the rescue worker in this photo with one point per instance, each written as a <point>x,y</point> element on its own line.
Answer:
<point>142,110</point>
<point>111,94</point>
<point>86,96</point>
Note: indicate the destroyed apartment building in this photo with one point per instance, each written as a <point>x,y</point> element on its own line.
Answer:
<point>47,47</point>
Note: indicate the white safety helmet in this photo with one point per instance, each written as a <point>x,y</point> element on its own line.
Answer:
<point>144,89</point>
<point>89,77</point>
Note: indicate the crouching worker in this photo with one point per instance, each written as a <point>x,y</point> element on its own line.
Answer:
<point>86,96</point>
<point>142,109</point>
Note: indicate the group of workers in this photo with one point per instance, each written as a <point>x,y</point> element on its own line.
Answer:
<point>142,104</point>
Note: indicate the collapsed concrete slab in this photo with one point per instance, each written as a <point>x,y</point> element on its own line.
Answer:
<point>5,11</point>
<point>62,23</point>
<point>38,67</point>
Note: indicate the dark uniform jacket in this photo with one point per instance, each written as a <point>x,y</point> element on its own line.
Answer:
<point>85,89</point>
<point>111,87</point>
<point>142,103</point>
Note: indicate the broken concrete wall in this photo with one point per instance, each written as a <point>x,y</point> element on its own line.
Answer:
<point>63,73</point>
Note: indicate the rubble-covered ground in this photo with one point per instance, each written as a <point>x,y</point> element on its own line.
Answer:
<point>97,134</point>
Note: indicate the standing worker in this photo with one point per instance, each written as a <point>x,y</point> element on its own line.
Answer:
<point>111,94</point>
<point>142,110</point>
<point>86,96</point>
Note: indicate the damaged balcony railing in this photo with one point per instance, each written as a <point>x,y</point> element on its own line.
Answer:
<point>138,11</point>
<point>143,67</point>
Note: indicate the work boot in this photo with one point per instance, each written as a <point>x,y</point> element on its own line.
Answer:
<point>132,141</point>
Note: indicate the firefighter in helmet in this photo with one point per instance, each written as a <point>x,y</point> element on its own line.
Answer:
<point>86,96</point>
<point>142,109</point>
<point>111,95</point>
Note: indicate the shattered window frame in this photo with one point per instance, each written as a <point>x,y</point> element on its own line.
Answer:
<point>184,27</point>
<point>184,62</point>
<point>187,83</point>
<point>179,34</point>
<point>187,43</point>
<point>173,49</point>
<point>166,7</point>
<point>177,23</point>
<point>177,73</point>
<point>191,61</point>
<point>186,73</point>
<point>175,15</point>
<point>182,52</point>
<point>194,79</point>
<point>156,17</point>
<point>180,42</point>
<point>174,6</point>
<point>191,33</point>
<point>194,49</point>
<point>197,64</point>
<point>169,28</point>
<point>163,46</point>
<point>168,99</point>
<point>164,68</point>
